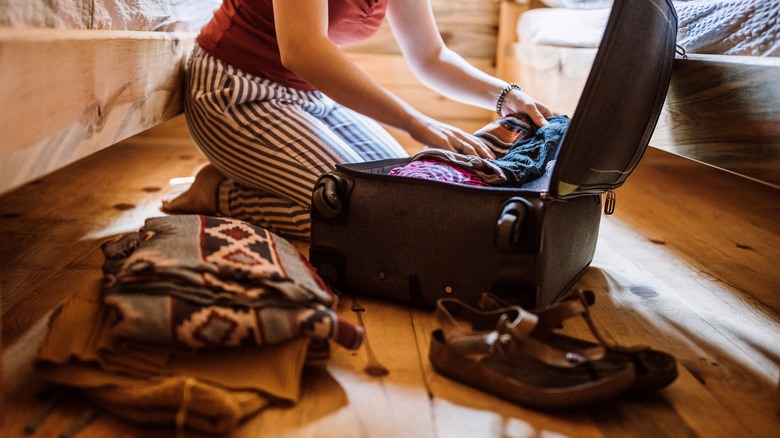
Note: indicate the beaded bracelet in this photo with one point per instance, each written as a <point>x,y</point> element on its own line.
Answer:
<point>501,96</point>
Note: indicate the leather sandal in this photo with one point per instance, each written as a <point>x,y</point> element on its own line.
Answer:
<point>498,355</point>
<point>654,369</point>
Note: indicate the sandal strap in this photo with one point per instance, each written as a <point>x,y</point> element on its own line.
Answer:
<point>577,303</point>
<point>532,347</point>
<point>483,334</point>
<point>583,300</point>
<point>550,317</point>
<point>573,304</point>
<point>553,316</point>
<point>509,338</point>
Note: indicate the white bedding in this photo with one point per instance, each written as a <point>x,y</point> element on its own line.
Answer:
<point>562,27</point>
<point>139,15</point>
<point>724,27</point>
<point>730,27</point>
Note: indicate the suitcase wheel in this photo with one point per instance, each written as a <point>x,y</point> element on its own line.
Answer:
<point>509,223</point>
<point>325,198</point>
<point>330,265</point>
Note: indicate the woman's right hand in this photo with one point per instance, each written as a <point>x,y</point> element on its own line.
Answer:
<point>440,135</point>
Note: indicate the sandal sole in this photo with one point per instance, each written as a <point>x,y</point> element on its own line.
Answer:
<point>530,383</point>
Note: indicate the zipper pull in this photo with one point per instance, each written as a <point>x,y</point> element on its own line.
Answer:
<point>681,51</point>
<point>609,202</point>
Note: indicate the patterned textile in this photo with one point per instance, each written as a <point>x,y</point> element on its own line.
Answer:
<point>429,169</point>
<point>501,135</point>
<point>203,282</point>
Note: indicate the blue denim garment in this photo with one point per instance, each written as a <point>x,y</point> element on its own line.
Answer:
<point>527,159</point>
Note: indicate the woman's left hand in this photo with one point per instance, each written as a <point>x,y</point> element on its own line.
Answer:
<point>517,102</point>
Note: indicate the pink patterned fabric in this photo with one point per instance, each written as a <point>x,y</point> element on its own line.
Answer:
<point>428,169</point>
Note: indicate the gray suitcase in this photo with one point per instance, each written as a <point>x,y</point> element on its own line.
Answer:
<point>418,240</point>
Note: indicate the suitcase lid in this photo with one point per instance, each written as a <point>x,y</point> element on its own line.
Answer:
<point>621,101</point>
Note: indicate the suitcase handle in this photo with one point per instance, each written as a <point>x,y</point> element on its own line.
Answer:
<point>509,223</point>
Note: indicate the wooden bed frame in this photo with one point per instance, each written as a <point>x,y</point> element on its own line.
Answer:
<point>69,93</point>
<point>720,110</point>
<point>66,94</point>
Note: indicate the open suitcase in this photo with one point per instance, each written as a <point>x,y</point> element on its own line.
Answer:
<point>419,240</point>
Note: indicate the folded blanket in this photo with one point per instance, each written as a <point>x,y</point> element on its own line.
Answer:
<point>145,346</point>
<point>210,391</point>
<point>204,282</point>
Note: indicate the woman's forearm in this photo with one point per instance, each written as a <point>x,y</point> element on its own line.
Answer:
<point>449,74</point>
<point>445,71</point>
<point>323,65</point>
<point>306,50</point>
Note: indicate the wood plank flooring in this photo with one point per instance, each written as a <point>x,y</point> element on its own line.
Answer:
<point>688,263</point>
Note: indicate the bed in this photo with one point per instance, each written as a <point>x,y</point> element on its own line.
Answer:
<point>81,75</point>
<point>721,108</point>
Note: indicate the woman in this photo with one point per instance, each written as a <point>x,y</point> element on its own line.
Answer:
<point>273,102</point>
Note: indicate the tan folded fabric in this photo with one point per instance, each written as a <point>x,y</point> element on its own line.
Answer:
<point>211,391</point>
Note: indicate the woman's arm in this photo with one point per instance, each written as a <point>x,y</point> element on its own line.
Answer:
<point>447,72</point>
<point>301,30</point>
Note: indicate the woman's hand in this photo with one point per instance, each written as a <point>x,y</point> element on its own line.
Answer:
<point>440,135</point>
<point>517,102</point>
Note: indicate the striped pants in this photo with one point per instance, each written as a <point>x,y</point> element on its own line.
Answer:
<point>273,142</point>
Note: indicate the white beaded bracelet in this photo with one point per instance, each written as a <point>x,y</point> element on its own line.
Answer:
<point>501,96</point>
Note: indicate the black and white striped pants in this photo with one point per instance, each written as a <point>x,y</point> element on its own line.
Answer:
<point>272,142</point>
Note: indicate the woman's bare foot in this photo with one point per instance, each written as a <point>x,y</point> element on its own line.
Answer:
<point>200,198</point>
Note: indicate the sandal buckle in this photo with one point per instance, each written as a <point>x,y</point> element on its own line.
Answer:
<point>574,358</point>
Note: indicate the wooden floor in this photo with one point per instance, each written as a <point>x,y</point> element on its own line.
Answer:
<point>688,263</point>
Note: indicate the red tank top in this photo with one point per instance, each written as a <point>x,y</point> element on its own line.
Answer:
<point>242,34</point>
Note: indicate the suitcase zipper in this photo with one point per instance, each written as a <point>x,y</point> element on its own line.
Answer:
<point>609,202</point>
<point>681,51</point>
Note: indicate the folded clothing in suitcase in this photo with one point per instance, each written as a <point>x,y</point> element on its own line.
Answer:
<point>418,240</point>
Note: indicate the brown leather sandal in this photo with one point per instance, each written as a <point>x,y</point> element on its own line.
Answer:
<point>499,356</point>
<point>654,369</point>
